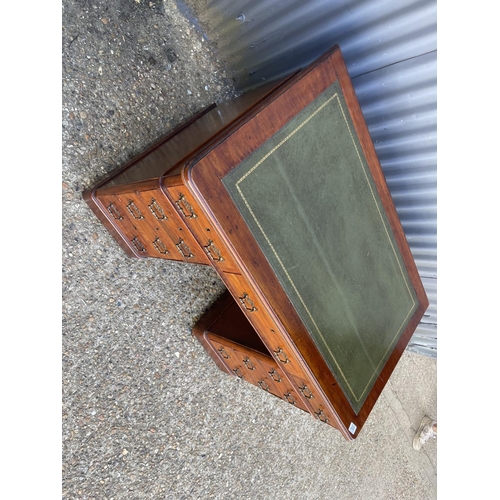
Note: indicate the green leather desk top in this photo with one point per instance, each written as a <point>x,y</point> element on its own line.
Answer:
<point>309,200</point>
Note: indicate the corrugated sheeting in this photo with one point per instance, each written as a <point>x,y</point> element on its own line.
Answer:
<point>399,105</point>
<point>390,48</point>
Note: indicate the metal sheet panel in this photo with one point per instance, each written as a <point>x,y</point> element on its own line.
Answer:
<point>399,104</point>
<point>266,39</point>
<point>390,49</point>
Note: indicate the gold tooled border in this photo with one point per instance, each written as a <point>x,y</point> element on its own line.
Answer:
<point>247,174</point>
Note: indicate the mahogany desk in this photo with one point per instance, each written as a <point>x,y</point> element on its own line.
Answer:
<point>282,193</point>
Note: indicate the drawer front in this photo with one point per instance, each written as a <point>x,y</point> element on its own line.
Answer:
<point>188,209</point>
<point>130,221</point>
<point>311,392</point>
<point>257,369</point>
<point>256,313</point>
<point>164,218</point>
<point>285,355</point>
<point>155,230</point>
<point>250,304</point>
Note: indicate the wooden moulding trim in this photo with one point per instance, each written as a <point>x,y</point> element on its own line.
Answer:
<point>175,180</point>
<point>146,185</point>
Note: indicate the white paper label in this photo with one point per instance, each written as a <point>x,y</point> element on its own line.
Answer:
<point>352,428</point>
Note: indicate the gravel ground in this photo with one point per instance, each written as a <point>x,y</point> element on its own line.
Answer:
<point>146,413</point>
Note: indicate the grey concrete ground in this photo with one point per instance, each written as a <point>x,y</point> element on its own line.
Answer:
<point>146,413</point>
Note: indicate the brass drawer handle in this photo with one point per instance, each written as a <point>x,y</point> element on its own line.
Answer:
<point>238,372</point>
<point>247,303</point>
<point>289,398</point>
<point>138,245</point>
<point>282,357</point>
<point>306,392</point>
<point>213,252</point>
<point>275,375</point>
<point>263,385</point>
<point>160,246</point>
<point>185,207</point>
<point>134,210</point>
<point>248,363</point>
<point>156,210</point>
<point>321,416</point>
<point>184,249</point>
<point>114,212</point>
<point>223,353</point>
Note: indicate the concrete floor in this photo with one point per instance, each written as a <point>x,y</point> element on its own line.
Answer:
<point>146,413</point>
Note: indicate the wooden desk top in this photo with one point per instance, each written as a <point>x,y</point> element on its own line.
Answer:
<point>300,200</point>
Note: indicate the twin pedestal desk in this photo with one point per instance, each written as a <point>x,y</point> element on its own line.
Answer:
<point>281,191</point>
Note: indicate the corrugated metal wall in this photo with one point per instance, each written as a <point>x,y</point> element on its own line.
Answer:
<point>390,48</point>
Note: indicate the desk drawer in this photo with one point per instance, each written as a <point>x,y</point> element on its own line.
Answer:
<point>209,240</point>
<point>259,369</point>
<point>257,315</point>
<point>150,224</point>
<point>285,357</point>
